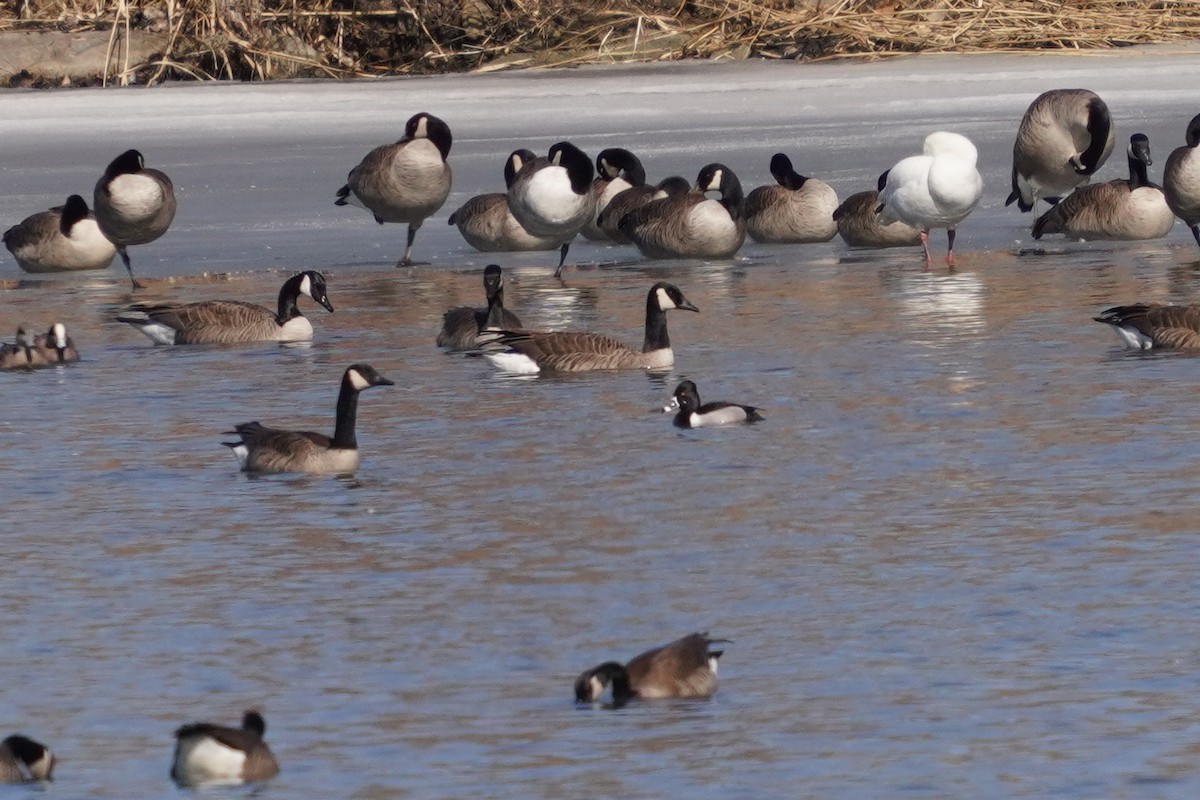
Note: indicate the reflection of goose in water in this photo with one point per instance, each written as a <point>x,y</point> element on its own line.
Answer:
<point>944,306</point>
<point>546,306</point>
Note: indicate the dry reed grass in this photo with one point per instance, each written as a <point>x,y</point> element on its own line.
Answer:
<point>265,39</point>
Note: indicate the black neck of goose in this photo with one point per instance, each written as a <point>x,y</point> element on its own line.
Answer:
<point>1138,175</point>
<point>622,692</point>
<point>656,326</point>
<point>288,296</point>
<point>732,198</point>
<point>1099,127</point>
<point>347,416</point>
<point>495,312</point>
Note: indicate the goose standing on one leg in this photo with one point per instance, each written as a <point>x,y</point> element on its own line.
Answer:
<point>462,325</point>
<point>793,210</point>
<point>404,182</point>
<point>528,352</point>
<point>232,321</point>
<point>133,204</point>
<point>213,755</point>
<point>62,239</point>
<point>487,223</point>
<point>552,197</point>
<point>1120,210</point>
<point>617,169</point>
<point>937,189</point>
<point>684,668</point>
<point>1065,136</point>
<point>692,225</point>
<point>1181,179</point>
<point>262,449</point>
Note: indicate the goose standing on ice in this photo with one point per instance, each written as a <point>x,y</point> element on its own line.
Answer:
<point>552,197</point>
<point>133,204</point>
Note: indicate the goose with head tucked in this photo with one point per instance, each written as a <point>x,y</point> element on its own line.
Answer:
<point>528,352</point>
<point>1145,326</point>
<point>1181,179</point>
<point>462,325</point>
<point>56,346</point>
<point>232,321</point>
<point>263,449</point>
<point>216,755</point>
<point>133,204</point>
<point>552,197</point>
<point>617,170</point>
<point>24,760</point>
<point>794,210</point>
<point>64,239</point>
<point>692,225</point>
<point>858,225</point>
<point>936,189</point>
<point>488,225</point>
<point>635,197</point>
<point>1065,136</point>
<point>684,668</point>
<point>406,181</point>
<point>691,413</point>
<point>1120,210</point>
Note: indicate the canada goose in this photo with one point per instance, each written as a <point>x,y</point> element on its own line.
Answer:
<point>23,760</point>
<point>793,210</point>
<point>1181,179</point>
<point>1119,210</point>
<point>55,346</point>
<point>691,225</point>
<point>937,189</point>
<point>684,668</point>
<point>691,414</point>
<point>530,352</point>
<point>62,239</point>
<point>133,205</point>
<point>488,225</point>
<point>635,197</point>
<point>461,325</point>
<point>552,197</point>
<point>208,754</point>
<point>262,449</point>
<point>406,181</point>
<point>20,354</point>
<point>230,321</point>
<point>617,169</point>
<point>1065,136</point>
<point>1144,326</point>
<point>860,227</point>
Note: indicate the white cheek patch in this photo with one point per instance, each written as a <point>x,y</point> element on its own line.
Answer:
<point>714,183</point>
<point>60,334</point>
<point>664,300</point>
<point>306,286</point>
<point>517,162</point>
<point>597,687</point>
<point>358,381</point>
<point>422,131</point>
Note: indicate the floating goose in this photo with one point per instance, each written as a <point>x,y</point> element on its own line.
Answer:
<point>552,197</point>
<point>617,170</point>
<point>20,354</point>
<point>635,197</point>
<point>1181,179</point>
<point>23,760</point>
<point>133,205</point>
<point>488,225</point>
<point>63,239</point>
<point>691,414</point>
<point>230,321</point>
<point>214,755</point>
<point>1121,210</point>
<point>461,326</point>
<point>684,668</point>
<point>691,225</point>
<point>262,449</point>
<point>937,189</point>
<point>1144,326</point>
<point>530,352</point>
<point>55,346</point>
<point>793,210</point>
<point>1065,136</point>
<point>404,182</point>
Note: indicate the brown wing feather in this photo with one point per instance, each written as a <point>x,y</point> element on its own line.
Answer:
<point>575,352</point>
<point>677,669</point>
<point>215,321</point>
<point>1170,326</point>
<point>1088,211</point>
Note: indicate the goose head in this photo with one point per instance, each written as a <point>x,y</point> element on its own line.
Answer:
<point>667,296</point>
<point>720,178</point>
<point>591,684</point>
<point>312,283</point>
<point>784,174</point>
<point>576,163</point>
<point>617,162</point>
<point>37,758</point>
<point>493,280</point>
<point>517,159</point>
<point>73,211</point>
<point>427,126</point>
<point>128,163</point>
